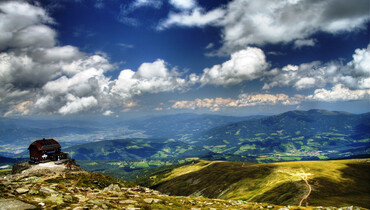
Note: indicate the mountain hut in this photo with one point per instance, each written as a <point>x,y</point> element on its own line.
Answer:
<point>46,150</point>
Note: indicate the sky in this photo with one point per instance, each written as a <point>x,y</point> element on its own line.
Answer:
<point>148,57</point>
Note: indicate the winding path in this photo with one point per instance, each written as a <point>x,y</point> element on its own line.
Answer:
<point>308,194</point>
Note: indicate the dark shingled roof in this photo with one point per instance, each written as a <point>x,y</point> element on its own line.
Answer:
<point>45,144</point>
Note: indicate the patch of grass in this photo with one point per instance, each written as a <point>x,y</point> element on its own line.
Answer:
<point>334,183</point>
<point>5,172</point>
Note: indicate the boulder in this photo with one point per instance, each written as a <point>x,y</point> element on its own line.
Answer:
<point>22,190</point>
<point>112,187</point>
<point>14,204</point>
<point>148,200</point>
<point>47,191</point>
<point>19,167</point>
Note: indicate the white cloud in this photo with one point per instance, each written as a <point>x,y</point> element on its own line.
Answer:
<point>153,70</point>
<point>108,113</point>
<point>19,18</point>
<point>38,76</point>
<point>259,22</point>
<point>305,82</point>
<point>355,74</point>
<point>290,67</point>
<point>247,64</point>
<point>76,104</point>
<point>65,54</point>
<point>150,78</point>
<point>248,22</point>
<point>209,46</point>
<point>196,17</point>
<point>216,104</point>
<point>35,36</point>
<point>339,93</point>
<point>183,4</point>
<point>147,3</point>
<point>84,90</point>
<point>361,62</point>
<point>299,43</point>
<point>269,99</point>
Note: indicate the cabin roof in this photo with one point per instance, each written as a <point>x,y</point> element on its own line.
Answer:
<point>45,144</point>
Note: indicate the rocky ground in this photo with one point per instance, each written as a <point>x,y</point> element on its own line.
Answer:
<point>65,186</point>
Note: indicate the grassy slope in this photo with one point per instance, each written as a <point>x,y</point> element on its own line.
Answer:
<point>335,183</point>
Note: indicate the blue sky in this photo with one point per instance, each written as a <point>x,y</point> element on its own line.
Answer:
<point>137,57</point>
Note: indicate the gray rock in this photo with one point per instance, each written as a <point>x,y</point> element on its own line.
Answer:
<point>22,190</point>
<point>47,191</point>
<point>128,202</point>
<point>148,200</point>
<point>112,187</point>
<point>6,204</point>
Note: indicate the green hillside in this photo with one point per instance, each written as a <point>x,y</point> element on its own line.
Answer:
<point>56,186</point>
<point>183,127</point>
<point>135,149</point>
<point>329,183</point>
<point>294,135</point>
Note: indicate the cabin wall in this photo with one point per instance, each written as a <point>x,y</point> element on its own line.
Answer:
<point>35,155</point>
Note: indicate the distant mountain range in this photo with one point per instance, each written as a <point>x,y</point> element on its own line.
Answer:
<point>294,135</point>
<point>135,150</point>
<point>314,133</point>
<point>17,133</point>
<point>183,127</point>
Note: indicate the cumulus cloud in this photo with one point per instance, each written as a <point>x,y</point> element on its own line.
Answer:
<point>216,104</point>
<point>71,94</point>
<point>76,104</point>
<point>339,93</point>
<point>259,22</point>
<point>247,64</point>
<point>18,19</point>
<point>91,90</point>
<point>248,22</point>
<point>108,113</point>
<point>196,17</point>
<point>146,3</point>
<point>355,74</point>
<point>149,78</point>
<point>208,103</point>
<point>269,99</point>
<point>36,76</point>
<point>183,4</point>
<point>299,43</point>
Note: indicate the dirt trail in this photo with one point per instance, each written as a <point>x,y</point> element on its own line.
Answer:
<point>308,193</point>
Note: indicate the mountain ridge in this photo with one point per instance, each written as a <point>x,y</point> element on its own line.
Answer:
<point>304,132</point>
<point>340,182</point>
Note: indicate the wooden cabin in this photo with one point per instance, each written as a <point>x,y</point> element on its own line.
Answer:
<point>46,150</point>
